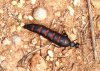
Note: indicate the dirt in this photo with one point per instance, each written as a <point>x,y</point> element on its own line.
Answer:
<point>22,50</point>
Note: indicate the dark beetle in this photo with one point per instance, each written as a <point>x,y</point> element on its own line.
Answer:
<point>53,36</point>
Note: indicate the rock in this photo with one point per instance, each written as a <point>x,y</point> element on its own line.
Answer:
<point>40,13</point>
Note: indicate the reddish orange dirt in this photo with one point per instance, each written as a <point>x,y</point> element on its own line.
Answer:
<point>22,50</point>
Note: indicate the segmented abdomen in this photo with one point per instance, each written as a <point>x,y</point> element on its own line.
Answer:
<point>51,35</point>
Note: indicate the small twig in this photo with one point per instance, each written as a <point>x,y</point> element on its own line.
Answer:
<point>24,61</point>
<point>92,29</point>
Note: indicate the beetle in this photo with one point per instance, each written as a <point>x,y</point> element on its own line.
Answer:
<point>53,36</point>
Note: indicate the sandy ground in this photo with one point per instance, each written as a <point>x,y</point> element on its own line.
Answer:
<point>22,50</point>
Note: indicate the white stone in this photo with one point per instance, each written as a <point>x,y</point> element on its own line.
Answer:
<point>71,10</point>
<point>77,2</point>
<point>14,2</point>
<point>57,63</point>
<point>22,1</point>
<point>40,13</point>
<point>50,53</point>
<point>16,39</point>
<point>30,17</point>
<point>20,16</point>
<point>33,1</point>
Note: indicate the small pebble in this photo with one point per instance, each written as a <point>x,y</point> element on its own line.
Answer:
<point>57,63</point>
<point>30,17</point>
<point>34,41</point>
<point>77,2</point>
<point>51,59</point>
<point>50,53</point>
<point>1,11</point>
<point>73,37</point>
<point>3,24</point>
<point>20,16</point>
<point>60,54</point>
<point>11,51</point>
<point>42,38</point>
<point>40,13</point>
<point>33,1</point>
<point>58,14</point>
<point>16,39</point>
<point>2,58</point>
<point>83,20</point>
<point>6,41</point>
<point>19,5</point>
<point>71,10</point>
<point>22,1</point>
<point>14,2</point>
<point>19,28</point>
